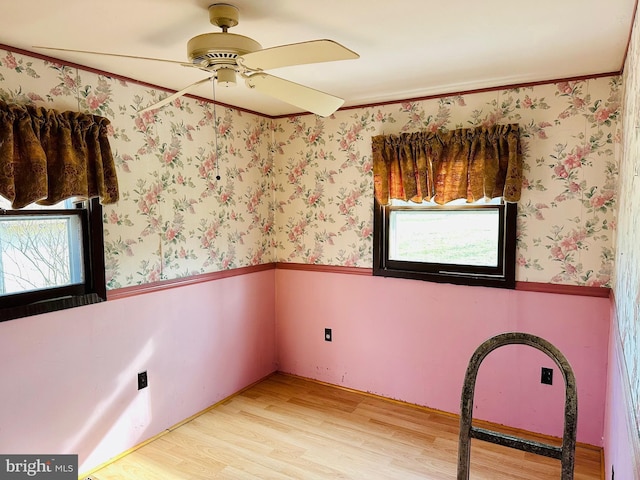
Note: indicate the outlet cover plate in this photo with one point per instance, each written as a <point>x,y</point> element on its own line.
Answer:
<point>142,380</point>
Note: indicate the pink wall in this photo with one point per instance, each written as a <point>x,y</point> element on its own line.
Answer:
<point>69,379</point>
<point>621,443</point>
<point>398,338</point>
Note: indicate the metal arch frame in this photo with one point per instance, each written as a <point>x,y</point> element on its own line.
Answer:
<point>565,453</point>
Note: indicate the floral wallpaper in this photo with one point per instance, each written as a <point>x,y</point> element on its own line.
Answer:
<point>566,215</point>
<point>299,189</point>
<point>627,275</point>
<point>175,217</point>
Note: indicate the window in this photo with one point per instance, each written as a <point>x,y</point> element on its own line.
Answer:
<point>51,258</point>
<point>461,243</point>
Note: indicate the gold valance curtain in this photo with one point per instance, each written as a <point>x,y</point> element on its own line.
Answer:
<point>48,156</point>
<point>469,163</point>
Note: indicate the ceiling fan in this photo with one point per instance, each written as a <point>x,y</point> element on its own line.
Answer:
<point>225,55</point>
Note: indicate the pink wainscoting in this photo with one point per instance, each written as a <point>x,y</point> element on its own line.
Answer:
<point>69,379</point>
<point>621,440</point>
<point>412,340</point>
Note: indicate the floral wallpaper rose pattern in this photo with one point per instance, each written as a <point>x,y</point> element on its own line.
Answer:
<point>566,214</point>
<point>300,189</point>
<point>174,218</point>
<point>627,274</point>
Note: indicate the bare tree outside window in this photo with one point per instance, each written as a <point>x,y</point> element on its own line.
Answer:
<point>39,252</point>
<point>51,257</point>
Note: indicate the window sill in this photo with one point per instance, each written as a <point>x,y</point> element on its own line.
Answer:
<point>465,279</point>
<point>47,306</point>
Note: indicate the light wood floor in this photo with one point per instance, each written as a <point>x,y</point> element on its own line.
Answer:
<point>286,427</point>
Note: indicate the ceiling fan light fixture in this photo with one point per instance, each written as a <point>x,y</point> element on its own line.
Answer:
<point>226,77</point>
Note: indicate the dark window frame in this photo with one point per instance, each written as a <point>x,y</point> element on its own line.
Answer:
<point>92,290</point>
<point>500,277</point>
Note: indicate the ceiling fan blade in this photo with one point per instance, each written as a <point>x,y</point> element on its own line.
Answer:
<point>292,93</point>
<point>135,57</point>
<point>172,97</point>
<point>315,51</point>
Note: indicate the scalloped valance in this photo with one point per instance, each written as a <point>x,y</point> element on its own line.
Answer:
<point>469,163</point>
<point>48,156</point>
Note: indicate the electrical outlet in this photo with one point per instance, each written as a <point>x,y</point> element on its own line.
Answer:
<point>327,335</point>
<point>546,376</point>
<point>142,380</point>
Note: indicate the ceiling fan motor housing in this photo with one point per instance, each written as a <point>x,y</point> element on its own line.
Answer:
<point>213,51</point>
<point>219,48</point>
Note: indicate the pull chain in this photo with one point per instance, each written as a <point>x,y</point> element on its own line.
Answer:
<point>215,127</point>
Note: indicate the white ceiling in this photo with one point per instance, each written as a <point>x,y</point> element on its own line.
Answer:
<point>408,48</point>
